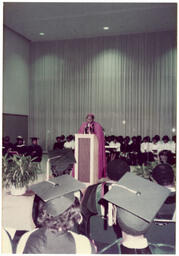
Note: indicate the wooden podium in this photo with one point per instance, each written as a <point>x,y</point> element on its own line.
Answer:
<point>86,155</point>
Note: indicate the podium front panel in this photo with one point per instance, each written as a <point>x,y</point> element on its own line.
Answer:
<point>86,155</point>
<point>84,163</point>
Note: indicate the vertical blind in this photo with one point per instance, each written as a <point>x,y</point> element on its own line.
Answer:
<point>128,82</point>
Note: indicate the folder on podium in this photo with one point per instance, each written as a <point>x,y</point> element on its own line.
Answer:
<point>86,155</point>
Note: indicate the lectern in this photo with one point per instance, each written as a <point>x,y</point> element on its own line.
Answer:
<point>86,155</point>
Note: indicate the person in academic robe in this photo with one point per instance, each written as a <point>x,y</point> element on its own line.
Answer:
<point>19,147</point>
<point>135,203</point>
<point>58,144</point>
<point>35,150</point>
<point>59,215</point>
<point>93,127</point>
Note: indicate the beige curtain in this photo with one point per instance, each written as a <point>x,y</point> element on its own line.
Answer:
<point>128,82</point>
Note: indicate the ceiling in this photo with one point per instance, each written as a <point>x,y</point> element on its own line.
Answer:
<point>61,21</point>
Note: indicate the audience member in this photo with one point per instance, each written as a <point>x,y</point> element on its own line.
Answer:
<point>136,202</point>
<point>20,147</point>
<point>70,143</point>
<point>59,214</point>
<point>134,152</point>
<point>145,150</point>
<point>35,150</point>
<point>7,145</point>
<point>125,149</point>
<point>58,144</point>
<point>163,174</point>
<point>154,148</point>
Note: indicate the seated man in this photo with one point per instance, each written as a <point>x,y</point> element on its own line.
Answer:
<point>20,147</point>
<point>35,150</point>
<point>136,202</point>
<point>59,212</point>
<point>59,144</point>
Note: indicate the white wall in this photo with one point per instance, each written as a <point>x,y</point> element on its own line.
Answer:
<point>15,73</point>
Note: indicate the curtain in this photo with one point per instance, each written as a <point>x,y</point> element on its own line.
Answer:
<point>128,82</point>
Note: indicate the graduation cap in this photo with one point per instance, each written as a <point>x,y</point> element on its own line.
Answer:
<point>57,193</point>
<point>61,160</point>
<point>138,201</point>
<point>34,138</point>
<point>19,138</point>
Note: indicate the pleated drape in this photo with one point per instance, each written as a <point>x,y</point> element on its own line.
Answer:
<point>128,82</point>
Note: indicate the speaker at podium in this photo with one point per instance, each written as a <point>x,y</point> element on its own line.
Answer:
<point>86,155</point>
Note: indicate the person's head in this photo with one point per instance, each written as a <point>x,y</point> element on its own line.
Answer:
<point>62,222</point>
<point>157,137</point>
<point>58,138</point>
<point>62,137</point>
<point>59,208</point>
<point>20,140</point>
<point>165,139</point>
<point>154,140</point>
<point>6,139</point>
<point>90,118</point>
<point>145,139</point>
<point>134,139</point>
<point>137,202</point>
<point>163,174</point>
<point>117,168</point>
<point>126,139</point>
<point>34,140</point>
<point>174,138</point>
<point>120,139</point>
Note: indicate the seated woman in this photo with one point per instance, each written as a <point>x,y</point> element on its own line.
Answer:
<point>59,212</point>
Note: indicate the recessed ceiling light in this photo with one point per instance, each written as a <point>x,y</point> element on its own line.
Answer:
<point>106,28</point>
<point>41,33</point>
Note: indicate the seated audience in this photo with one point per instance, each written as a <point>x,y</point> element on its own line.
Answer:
<point>59,214</point>
<point>145,150</point>
<point>35,150</point>
<point>125,150</point>
<point>134,152</point>
<point>136,202</point>
<point>58,144</point>
<point>155,148</point>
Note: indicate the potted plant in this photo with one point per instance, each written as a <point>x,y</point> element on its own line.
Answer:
<point>18,171</point>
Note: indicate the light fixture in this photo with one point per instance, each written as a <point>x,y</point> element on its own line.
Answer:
<point>173,130</point>
<point>105,28</point>
<point>123,122</point>
<point>41,33</point>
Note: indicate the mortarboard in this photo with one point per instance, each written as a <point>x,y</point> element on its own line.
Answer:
<point>57,193</point>
<point>138,200</point>
<point>34,138</point>
<point>19,138</point>
<point>61,159</point>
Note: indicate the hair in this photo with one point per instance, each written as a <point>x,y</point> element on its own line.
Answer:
<point>64,221</point>
<point>90,114</point>
<point>117,168</point>
<point>163,174</point>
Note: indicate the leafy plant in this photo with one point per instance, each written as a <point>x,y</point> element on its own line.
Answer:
<point>145,170</point>
<point>19,171</point>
